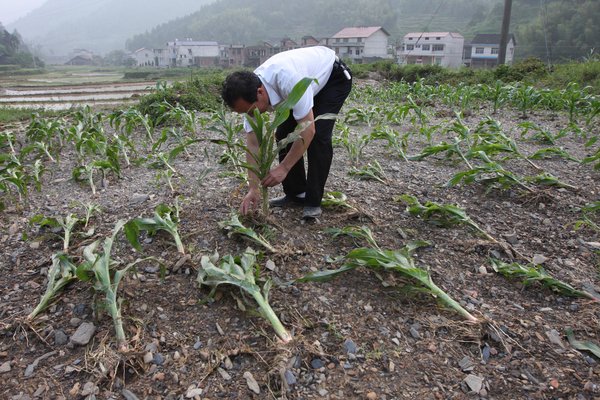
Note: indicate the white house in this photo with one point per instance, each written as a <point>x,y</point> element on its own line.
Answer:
<point>485,48</point>
<point>187,53</point>
<point>362,43</point>
<point>144,57</point>
<point>432,48</point>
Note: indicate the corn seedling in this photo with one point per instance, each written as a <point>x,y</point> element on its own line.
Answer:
<point>372,171</point>
<point>575,99</point>
<point>259,162</point>
<point>444,215</point>
<point>449,149</point>
<point>109,164</point>
<point>60,274</point>
<point>579,345</point>
<point>241,272</point>
<point>233,226</point>
<point>540,134</point>
<point>228,129</point>
<point>593,158</point>
<point>37,170</point>
<point>43,130</point>
<point>99,267</point>
<point>490,174</point>
<point>498,94</point>
<point>165,219</point>
<point>396,261</point>
<point>335,200</point>
<point>395,143</point>
<point>178,114</point>
<point>67,225</point>
<point>90,209</point>
<point>524,98</point>
<point>536,274</point>
<point>547,179</point>
<point>586,219</point>
<point>552,152</point>
<point>355,232</point>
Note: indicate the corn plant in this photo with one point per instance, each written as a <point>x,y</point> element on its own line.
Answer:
<point>371,171</point>
<point>241,272</point>
<point>355,232</point>
<point>553,152</point>
<point>354,145</point>
<point>233,226</point>
<point>164,159</point>
<point>524,98</point>
<point>369,115</point>
<point>575,100</point>
<point>165,219</point>
<point>60,274</point>
<point>67,225</point>
<point>594,111</point>
<point>178,114</point>
<point>579,345</point>
<point>490,174</point>
<point>498,94</point>
<point>593,158</point>
<point>45,130</point>
<point>396,261</point>
<point>110,163</point>
<point>335,200</point>
<point>547,179</point>
<point>130,119</point>
<point>586,217</point>
<point>444,147</point>
<point>99,267</point>
<point>90,209</point>
<point>444,215</point>
<point>536,274</point>
<point>540,134</point>
<point>396,143</point>
<point>228,130</point>
<point>259,162</point>
<point>418,110</point>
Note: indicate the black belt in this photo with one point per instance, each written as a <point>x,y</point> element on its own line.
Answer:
<point>340,64</point>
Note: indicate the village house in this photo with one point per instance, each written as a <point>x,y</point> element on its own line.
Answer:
<point>233,55</point>
<point>485,48</point>
<point>144,57</point>
<point>187,53</point>
<point>432,48</point>
<point>360,44</point>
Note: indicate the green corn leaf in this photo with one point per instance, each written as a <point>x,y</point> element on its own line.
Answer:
<point>240,272</point>
<point>579,345</point>
<point>234,227</point>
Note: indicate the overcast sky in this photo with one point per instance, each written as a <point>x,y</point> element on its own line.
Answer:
<point>11,10</point>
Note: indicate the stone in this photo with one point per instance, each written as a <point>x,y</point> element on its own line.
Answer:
<point>539,259</point>
<point>317,363</point>
<point>60,338</point>
<point>350,346</point>
<point>474,382</point>
<point>5,367</point>
<point>129,395</point>
<point>372,396</point>
<point>290,378</point>
<point>224,374</point>
<point>251,382</point>
<point>148,357</point>
<point>83,334</point>
<point>192,392</point>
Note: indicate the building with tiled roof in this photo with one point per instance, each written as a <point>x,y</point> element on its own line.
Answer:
<point>432,48</point>
<point>360,43</point>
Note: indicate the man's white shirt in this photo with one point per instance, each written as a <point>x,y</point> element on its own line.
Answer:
<point>280,73</point>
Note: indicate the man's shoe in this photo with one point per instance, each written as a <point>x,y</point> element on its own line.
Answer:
<point>286,201</point>
<point>311,212</point>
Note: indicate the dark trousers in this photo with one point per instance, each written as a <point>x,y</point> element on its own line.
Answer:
<point>320,151</point>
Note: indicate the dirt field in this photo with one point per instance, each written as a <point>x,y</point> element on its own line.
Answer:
<point>358,336</point>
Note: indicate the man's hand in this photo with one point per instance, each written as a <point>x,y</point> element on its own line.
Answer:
<point>275,176</point>
<point>250,201</point>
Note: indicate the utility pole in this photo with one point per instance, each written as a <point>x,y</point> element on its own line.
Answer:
<point>504,32</point>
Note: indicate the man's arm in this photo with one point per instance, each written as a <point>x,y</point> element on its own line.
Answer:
<point>278,174</point>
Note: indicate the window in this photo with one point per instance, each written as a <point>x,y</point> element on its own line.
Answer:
<point>478,50</point>
<point>359,40</point>
<point>345,40</point>
<point>438,38</point>
<point>426,47</point>
<point>409,38</point>
<point>410,47</point>
<point>494,50</point>
<point>349,51</point>
<point>337,50</point>
<point>438,47</point>
<point>427,38</point>
<point>337,40</point>
<point>418,46</point>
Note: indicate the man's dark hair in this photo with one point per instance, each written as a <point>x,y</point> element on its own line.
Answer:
<point>240,84</point>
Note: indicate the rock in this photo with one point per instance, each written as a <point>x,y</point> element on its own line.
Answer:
<point>158,359</point>
<point>539,259</point>
<point>466,364</point>
<point>251,382</point>
<point>60,338</point>
<point>83,334</point>
<point>224,374</point>
<point>148,357</point>
<point>5,367</point>
<point>350,346</point>
<point>323,392</point>
<point>139,198</point>
<point>317,363</point>
<point>290,378</point>
<point>129,395</point>
<point>555,338</point>
<point>270,265</point>
<point>474,383</point>
<point>372,396</point>
<point>193,391</point>
<point>511,238</point>
<point>181,262</point>
<point>414,332</point>
<point>89,388</point>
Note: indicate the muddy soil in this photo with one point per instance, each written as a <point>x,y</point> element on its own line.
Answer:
<point>359,336</point>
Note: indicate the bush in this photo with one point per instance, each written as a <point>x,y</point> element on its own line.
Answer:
<point>199,93</point>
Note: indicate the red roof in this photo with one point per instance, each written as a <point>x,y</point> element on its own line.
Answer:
<point>358,32</point>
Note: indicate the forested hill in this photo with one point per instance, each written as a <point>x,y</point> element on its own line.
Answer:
<point>59,26</point>
<point>555,29</point>
<point>242,21</point>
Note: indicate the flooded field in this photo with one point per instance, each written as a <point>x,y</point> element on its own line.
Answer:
<point>65,97</point>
